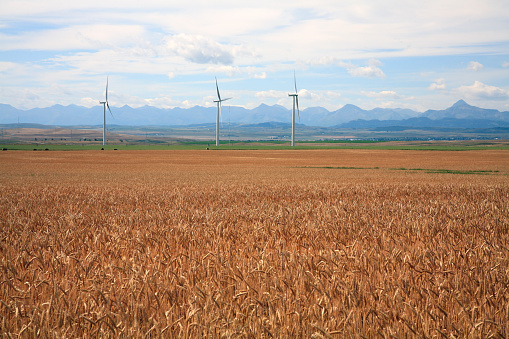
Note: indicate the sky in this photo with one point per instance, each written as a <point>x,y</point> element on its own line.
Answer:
<point>164,53</point>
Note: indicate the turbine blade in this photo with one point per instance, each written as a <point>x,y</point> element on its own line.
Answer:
<point>107,105</point>
<point>107,89</point>
<point>218,95</point>
<point>297,102</point>
<point>295,82</point>
<point>226,99</point>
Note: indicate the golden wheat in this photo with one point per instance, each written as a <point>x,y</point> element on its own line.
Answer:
<point>233,244</point>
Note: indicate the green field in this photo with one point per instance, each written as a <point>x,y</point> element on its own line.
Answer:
<point>275,145</point>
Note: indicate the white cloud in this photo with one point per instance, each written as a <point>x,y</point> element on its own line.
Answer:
<point>198,49</point>
<point>505,64</point>
<point>118,99</point>
<point>208,101</point>
<point>438,85</point>
<point>261,75</point>
<point>332,94</point>
<point>309,96</point>
<point>88,102</point>
<point>236,71</point>
<point>163,102</point>
<point>231,71</point>
<point>25,98</point>
<point>119,61</point>
<point>474,66</point>
<point>482,91</point>
<point>408,105</point>
<point>389,104</point>
<point>272,94</point>
<point>325,61</point>
<point>382,94</point>
<point>281,97</point>
<point>6,66</point>
<point>370,71</point>
<point>78,37</point>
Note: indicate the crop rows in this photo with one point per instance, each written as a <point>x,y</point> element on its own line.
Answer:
<point>273,259</point>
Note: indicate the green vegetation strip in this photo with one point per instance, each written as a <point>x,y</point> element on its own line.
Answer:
<point>247,145</point>
<point>426,170</point>
<point>446,171</point>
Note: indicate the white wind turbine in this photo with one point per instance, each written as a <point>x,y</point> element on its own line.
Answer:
<point>295,97</point>
<point>218,101</point>
<point>105,104</point>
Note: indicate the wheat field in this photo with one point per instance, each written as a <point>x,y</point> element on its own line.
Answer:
<point>254,244</point>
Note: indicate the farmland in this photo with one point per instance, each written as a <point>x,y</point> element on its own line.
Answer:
<point>255,243</point>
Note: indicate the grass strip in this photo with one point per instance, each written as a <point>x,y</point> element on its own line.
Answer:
<point>446,171</point>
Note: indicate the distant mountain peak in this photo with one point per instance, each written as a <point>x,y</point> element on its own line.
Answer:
<point>350,106</point>
<point>462,110</point>
<point>460,103</point>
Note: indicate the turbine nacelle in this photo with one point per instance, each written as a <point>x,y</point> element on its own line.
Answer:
<point>222,100</point>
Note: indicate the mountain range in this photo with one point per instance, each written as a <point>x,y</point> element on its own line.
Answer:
<point>460,115</point>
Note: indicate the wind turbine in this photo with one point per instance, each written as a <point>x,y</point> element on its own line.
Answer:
<point>105,104</point>
<point>218,101</point>
<point>295,97</point>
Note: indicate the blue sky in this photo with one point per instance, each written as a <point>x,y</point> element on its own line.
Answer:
<point>396,53</point>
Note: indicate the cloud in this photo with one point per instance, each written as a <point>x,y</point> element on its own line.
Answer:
<point>8,66</point>
<point>474,66</point>
<point>505,64</point>
<point>370,71</point>
<point>77,37</point>
<point>272,94</point>
<point>198,49</point>
<point>234,71</point>
<point>118,99</point>
<point>382,94</point>
<point>231,71</point>
<point>163,102</point>
<point>304,94</point>
<point>309,96</point>
<point>399,104</point>
<point>325,61</point>
<point>438,85</point>
<point>88,102</point>
<point>482,91</point>
<point>332,94</point>
<point>25,98</point>
<point>261,75</point>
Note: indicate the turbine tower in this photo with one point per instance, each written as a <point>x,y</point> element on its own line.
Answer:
<point>105,104</point>
<point>218,101</point>
<point>295,97</point>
